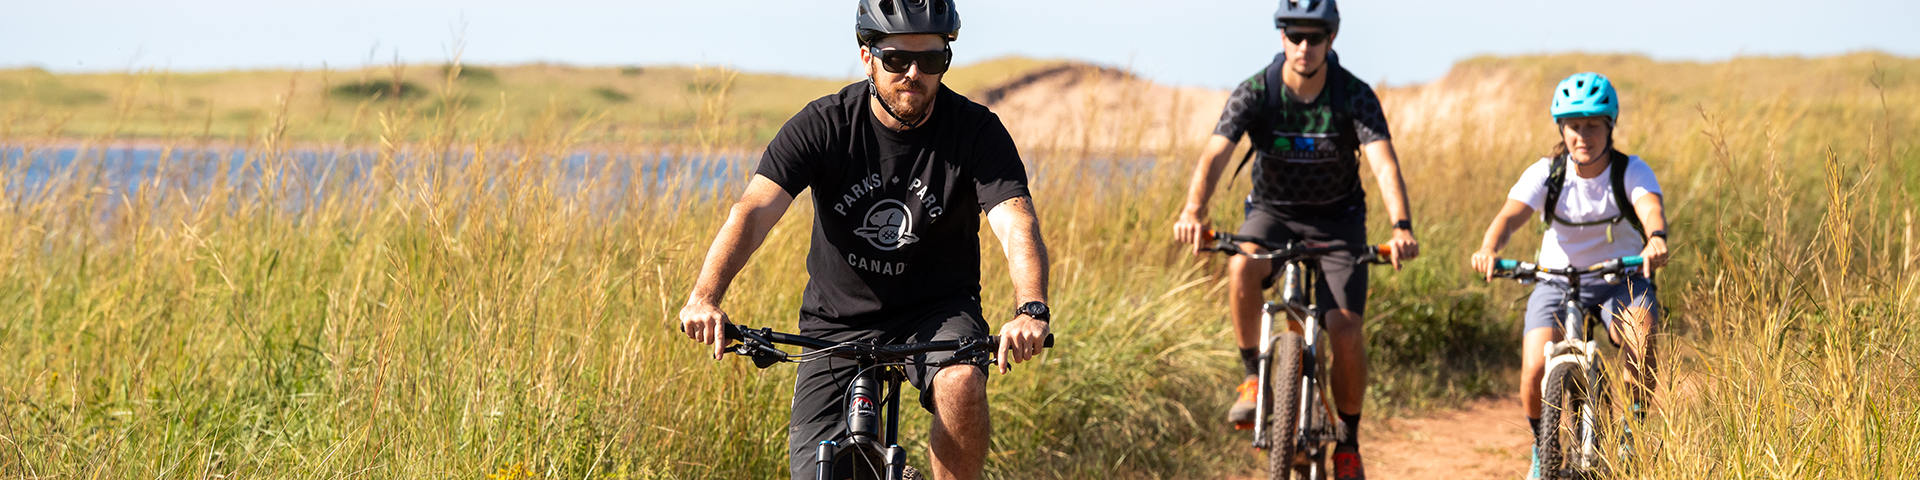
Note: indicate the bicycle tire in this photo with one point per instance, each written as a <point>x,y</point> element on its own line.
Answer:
<point>1284,415</point>
<point>1560,399</point>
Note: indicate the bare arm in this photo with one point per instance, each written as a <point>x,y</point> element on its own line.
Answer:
<point>1017,226</point>
<point>747,225</point>
<point>1192,224</point>
<point>1393,190</point>
<point>1514,214</point>
<point>1653,216</point>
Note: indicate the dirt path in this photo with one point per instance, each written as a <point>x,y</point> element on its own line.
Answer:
<point>1487,439</point>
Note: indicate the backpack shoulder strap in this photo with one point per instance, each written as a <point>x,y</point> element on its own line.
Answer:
<point>1620,199</point>
<point>1556,180</point>
<point>1269,108</point>
<point>1338,101</point>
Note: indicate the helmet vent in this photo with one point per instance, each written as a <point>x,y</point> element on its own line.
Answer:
<point>939,7</point>
<point>886,7</point>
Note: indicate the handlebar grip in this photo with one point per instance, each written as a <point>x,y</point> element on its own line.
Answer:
<point>1633,261</point>
<point>1505,264</point>
<point>1049,342</point>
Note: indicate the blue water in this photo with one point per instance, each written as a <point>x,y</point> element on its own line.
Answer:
<point>308,176</point>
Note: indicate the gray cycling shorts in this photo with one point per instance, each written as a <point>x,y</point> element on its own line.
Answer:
<point>1544,309</point>
<point>820,387</point>
<point>1343,282</point>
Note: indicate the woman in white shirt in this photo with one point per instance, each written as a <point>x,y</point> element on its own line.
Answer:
<point>1586,226</point>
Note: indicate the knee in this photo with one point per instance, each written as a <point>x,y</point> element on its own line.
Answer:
<point>1244,270</point>
<point>960,384</point>
<point>1344,325</point>
<point>1639,325</point>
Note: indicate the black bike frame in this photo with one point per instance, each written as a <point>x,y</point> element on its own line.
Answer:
<point>879,376</point>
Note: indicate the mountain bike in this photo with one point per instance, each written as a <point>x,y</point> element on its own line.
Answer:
<point>1293,412</point>
<point>869,448</point>
<point>1574,396</point>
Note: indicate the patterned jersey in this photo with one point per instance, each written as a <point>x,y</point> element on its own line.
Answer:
<point>1301,162</point>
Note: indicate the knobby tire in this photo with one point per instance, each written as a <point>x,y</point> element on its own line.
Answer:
<point>1559,441</point>
<point>1284,414</point>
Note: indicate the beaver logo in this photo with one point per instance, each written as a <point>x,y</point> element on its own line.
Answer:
<point>889,225</point>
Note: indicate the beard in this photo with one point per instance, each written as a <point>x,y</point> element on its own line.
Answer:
<point>1302,68</point>
<point>913,110</point>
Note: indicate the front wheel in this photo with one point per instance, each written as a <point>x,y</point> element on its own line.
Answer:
<point>1283,418</point>
<point>1562,400</point>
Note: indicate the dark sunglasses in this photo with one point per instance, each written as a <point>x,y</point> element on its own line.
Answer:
<point>1311,38</point>
<point>897,61</point>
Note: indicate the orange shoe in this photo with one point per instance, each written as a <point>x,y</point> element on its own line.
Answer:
<point>1241,415</point>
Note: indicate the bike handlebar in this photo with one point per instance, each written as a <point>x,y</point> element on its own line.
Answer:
<point>1518,270</point>
<point>1229,244</point>
<point>758,340</point>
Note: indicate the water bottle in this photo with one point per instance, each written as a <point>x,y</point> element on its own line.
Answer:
<point>1291,284</point>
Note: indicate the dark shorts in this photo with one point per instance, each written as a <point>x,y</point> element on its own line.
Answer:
<point>1544,309</point>
<point>820,388</point>
<point>1343,279</point>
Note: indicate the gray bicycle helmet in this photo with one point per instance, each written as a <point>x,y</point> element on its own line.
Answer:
<point>1307,13</point>
<point>879,18</point>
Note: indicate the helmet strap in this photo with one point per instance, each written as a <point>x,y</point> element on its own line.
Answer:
<point>873,89</point>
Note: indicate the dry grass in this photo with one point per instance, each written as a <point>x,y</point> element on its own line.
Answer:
<point>453,296</point>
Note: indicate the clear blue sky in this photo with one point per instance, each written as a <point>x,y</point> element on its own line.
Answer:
<point>1191,42</point>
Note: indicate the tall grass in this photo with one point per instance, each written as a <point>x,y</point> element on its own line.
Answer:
<point>448,292</point>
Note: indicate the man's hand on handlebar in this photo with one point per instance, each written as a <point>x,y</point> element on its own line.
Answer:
<point>1403,246</point>
<point>705,323</point>
<point>1020,340</point>
<point>1192,229</point>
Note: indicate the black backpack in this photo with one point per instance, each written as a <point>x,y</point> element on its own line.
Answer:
<point>1557,180</point>
<point>1337,79</point>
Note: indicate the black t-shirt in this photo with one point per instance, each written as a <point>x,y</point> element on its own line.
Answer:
<point>1300,166</point>
<point>896,214</point>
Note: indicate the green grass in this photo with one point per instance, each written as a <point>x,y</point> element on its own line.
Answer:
<point>463,319</point>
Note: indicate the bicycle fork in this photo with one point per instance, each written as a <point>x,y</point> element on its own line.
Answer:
<point>862,428</point>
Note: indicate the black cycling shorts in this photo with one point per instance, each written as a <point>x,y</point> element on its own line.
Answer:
<point>820,388</point>
<point>1343,281</point>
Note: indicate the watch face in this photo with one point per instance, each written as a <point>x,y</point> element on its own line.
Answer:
<point>1034,309</point>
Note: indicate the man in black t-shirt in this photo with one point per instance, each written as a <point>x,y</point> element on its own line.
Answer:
<point>1308,119</point>
<point>901,169</point>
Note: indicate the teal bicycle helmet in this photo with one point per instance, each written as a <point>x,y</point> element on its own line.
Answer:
<point>1584,95</point>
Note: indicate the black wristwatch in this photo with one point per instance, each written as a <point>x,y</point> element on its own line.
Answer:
<point>1403,225</point>
<point>1657,233</point>
<point>1037,310</point>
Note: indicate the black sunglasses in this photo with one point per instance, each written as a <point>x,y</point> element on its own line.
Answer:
<point>1311,38</point>
<point>897,61</point>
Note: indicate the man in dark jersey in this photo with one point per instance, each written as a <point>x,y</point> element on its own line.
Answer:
<point>1308,119</point>
<point>901,169</point>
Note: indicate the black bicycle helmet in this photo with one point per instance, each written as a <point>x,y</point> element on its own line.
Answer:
<point>1307,13</point>
<point>879,18</point>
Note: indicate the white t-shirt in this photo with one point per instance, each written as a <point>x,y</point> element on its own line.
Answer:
<point>1585,200</point>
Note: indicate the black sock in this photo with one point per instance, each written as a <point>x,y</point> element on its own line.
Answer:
<point>1250,360</point>
<point>1350,435</point>
<point>1535,423</point>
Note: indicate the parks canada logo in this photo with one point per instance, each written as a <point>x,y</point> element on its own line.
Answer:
<point>889,225</point>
